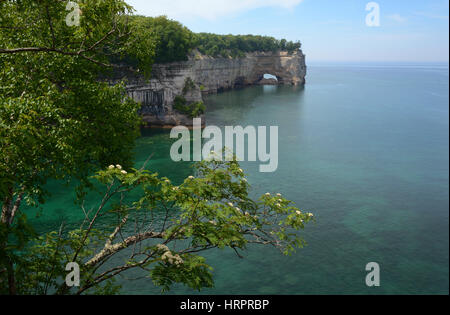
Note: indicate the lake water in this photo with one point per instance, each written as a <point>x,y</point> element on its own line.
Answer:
<point>363,147</point>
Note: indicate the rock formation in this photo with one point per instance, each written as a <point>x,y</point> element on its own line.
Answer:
<point>208,75</point>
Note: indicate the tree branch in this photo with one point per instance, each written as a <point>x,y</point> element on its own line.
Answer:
<point>110,249</point>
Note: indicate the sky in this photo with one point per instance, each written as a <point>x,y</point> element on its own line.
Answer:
<point>330,30</point>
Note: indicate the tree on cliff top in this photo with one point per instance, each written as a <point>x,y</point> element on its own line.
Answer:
<point>173,40</point>
<point>237,45</point>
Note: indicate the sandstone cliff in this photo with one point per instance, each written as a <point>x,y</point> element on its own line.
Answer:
<point>208,75</point>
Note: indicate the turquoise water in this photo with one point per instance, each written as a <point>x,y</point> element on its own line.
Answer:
<point>364,147</point>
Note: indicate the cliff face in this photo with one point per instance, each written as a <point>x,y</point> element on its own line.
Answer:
<point>209,75</point>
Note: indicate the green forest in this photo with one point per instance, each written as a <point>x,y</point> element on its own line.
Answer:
<point>237,45</point>
<point>174,41</point>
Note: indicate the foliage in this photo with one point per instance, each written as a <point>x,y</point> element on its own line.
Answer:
<point>237,45</point>
<point>189,85</point>
<point>210,211</point>
<point>179,103</point>
<point>196,109</point>
<point>57,120</point>
<point>193,110</point>
<point>173,40</point>
<point>55,117</point>
<point>139,50</point>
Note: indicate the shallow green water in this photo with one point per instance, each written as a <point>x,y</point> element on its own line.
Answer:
<point>365,148</point>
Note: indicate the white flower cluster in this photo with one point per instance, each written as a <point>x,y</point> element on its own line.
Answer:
<point>299,213</point>
<point>119,167</point>
<point>172,259</point>
<point>162,247</point>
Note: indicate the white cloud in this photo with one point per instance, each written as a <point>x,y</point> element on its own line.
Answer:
<point>206,9</point>
<point>397,18</point>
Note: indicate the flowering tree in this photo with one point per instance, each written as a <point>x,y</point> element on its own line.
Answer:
<point>162,230</point>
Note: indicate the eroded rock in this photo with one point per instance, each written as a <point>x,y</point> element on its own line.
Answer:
<point>208,75</point>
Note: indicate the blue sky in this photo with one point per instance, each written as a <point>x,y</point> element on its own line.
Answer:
<point>330,30</point>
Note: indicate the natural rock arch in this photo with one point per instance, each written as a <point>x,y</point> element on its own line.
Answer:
<point>210,75</point>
